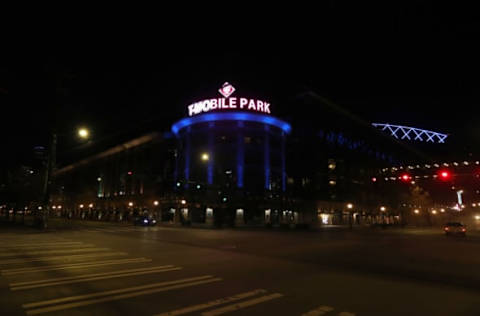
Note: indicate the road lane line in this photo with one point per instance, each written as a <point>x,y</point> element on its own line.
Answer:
<point>319,311</point>
<point>33,286</point>
<point>90,275</point>
<point>64,258</point>
<point>74,266</point>
<point>117,297</point>
<point>117,291</point>
<point>45,252</point>
<point>217,302</point>
<point>238,306</point>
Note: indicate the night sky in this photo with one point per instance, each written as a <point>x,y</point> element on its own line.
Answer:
<point>416,66</point>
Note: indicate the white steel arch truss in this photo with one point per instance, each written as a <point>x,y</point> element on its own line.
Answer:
<point>412,133</point>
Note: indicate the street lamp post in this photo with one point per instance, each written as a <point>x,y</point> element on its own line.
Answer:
<point>50,168</point>
<point>350,219</point>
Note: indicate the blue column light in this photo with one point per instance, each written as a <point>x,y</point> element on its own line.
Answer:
<point>284,173</point>
<point>211,149</point>
<point>187,157</point>
<point>266,157</point>
<point>240,155</point>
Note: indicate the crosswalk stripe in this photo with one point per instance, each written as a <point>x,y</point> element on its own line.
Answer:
<point>64,258</point>
<point>118,297</point>
<point>111,276</point>
<point>42,252</point>
<point>39,244</point>
<point>319,311</point>
<point>217,302</point>
<point>82,265</point>
<point>244,304</point>
<point>89,275</point>
<point>111,292</point>
<point>48,246</point>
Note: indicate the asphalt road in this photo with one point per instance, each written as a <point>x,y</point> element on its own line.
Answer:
<point>104,269</point>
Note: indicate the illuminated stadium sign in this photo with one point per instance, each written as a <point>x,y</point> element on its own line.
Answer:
<point>228,103</point>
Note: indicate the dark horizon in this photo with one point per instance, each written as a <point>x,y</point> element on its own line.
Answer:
<point>410,67</point>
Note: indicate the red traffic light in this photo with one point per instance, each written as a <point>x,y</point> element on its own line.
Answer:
<point>406,177</point>
<point>444,174</point>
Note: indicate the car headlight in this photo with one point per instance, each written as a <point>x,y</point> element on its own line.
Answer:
<point>154,221</point>
<point>145,220</point>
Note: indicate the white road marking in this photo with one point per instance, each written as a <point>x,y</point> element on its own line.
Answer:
<point>85,279</point>
<point>49,246</point>
<point>89,275</point>
<point>117,291</point>
<point>319,311</point>
<point>39,244</point>
<point>118,297</point>
<point>82,265</point>
<point>220,301</point>
<point>42,252</point>
<point>64,258</point>
<point>244,304</point>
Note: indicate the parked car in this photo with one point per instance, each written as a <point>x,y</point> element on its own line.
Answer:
<point>455,228</point>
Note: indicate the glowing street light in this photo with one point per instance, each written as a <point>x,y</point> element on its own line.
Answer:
<point>83,133</point>
<point>383,208</point>
<point>155,203</point>
<point>90,205</point>
<point>184,202</point>
<point>205,157</point>
<point>350,206</point>
<point>130,204</point>
<point>81,205</point>
<point>442,210</point>
<point>434,212</point>
<point>416,211</point>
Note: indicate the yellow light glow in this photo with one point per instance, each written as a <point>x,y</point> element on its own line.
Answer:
<point>349,205</point>
<point>184,202</point>
<point>205,157</point>
<point>416,211</point>
<point>155,203</point>
<point>83,133</point>
<point>382,208</point>
<point>130,203</point>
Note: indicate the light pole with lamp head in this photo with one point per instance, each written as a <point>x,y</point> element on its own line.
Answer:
<point>84,134</point>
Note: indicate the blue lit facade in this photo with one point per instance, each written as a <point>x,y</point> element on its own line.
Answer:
<point>246,152</point>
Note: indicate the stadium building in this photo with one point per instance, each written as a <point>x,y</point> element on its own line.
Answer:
<point>234,160</point>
